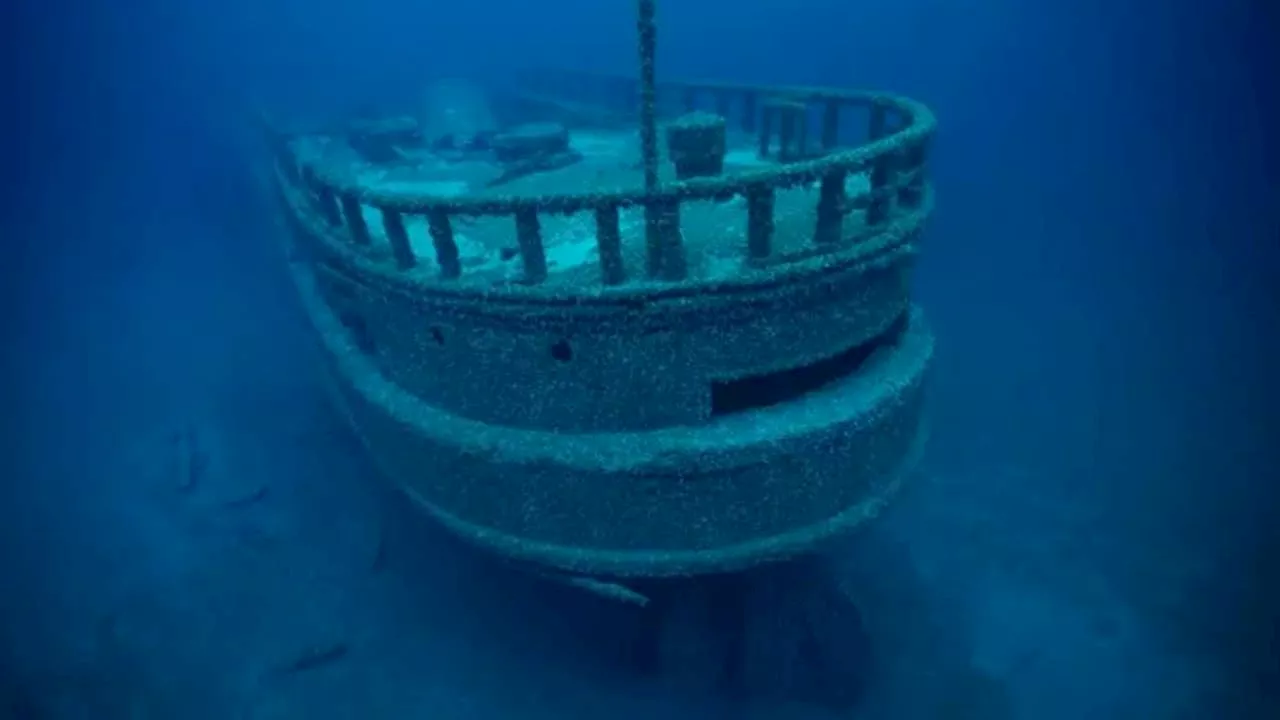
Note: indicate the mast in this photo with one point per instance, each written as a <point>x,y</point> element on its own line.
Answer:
<point>655,236</point>
<point>647,41</point>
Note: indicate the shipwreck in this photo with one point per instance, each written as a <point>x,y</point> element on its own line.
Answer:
<point>653,339</point>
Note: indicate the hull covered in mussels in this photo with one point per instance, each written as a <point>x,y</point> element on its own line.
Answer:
<point>636,428</point>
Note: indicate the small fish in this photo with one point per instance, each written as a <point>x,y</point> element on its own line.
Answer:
<point>244,501</point>
<point>316,657</point>
<point>602,588</point>
<point>612,591</point>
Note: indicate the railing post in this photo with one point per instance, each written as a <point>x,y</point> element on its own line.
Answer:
<point>831,124</point>
<point>441,231</point>
<point>792,122</point>
<point>354,213</point>
<point>795,130</point>
<point>609,245</point>
<point>749,111</point>
<point>529,238</point>
<point>912,192</point>
<point>760,201</point>
<point>766,130</point>
<point>326,200</point>
<point>831,199</point>
<point>802,132</point>
<point>786,133</point>
<point>878,209</point>
<point>723,103</point>
<point>666,259</point>
<point>398,237</point>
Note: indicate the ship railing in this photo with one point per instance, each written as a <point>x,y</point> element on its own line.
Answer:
<point>893,155</point>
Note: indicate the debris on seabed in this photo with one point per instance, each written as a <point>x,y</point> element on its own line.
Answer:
<point>244,501</point>
<point>602,588</point>
<point>193,460</point>
<point>314,658</point>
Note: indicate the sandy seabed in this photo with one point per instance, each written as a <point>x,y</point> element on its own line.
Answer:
<point>205,540</point>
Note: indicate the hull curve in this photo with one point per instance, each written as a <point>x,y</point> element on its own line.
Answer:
<point>732,494</point>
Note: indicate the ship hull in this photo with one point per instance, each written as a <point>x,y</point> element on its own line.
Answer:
<point>758,487</point>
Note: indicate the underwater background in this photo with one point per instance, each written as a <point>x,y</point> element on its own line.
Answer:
<point>1096,514</point>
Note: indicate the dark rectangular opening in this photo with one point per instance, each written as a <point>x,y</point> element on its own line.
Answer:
<point>759,391</point>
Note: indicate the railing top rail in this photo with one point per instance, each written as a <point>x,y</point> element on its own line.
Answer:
<point>920,125</point>
<point>811,92</point>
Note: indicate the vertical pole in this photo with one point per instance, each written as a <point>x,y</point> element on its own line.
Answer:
<point>878,210</point>
<point>760,203</point>
<point>831,125</point>
<point>609,243</point>
<point>398,237</point>
<point>647,41</point>
<point>766,131</point>
<point>440,228</point>
<point>648,93</point>
<point>354,214</point>
<point>664,248</point>
<point>529,238</point>
<point>912,193</point>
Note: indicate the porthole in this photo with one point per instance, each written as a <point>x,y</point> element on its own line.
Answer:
<point>562,351</point>
<point>360,334</point>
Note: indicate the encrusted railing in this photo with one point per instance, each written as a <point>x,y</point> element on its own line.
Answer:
<point>893,154</point>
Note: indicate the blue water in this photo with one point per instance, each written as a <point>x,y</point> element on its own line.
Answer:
<point>1094,527</point>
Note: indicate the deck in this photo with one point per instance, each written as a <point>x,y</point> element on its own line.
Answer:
<point>714,233</point>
